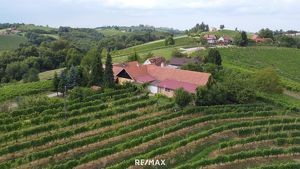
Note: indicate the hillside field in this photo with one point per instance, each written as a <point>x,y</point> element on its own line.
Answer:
<point>10,42</point>
<point>284,60</point>
<point>11,91</point>
<point>155,46</point>
<point>113,128</point>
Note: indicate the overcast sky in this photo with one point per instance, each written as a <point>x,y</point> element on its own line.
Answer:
<point>181,14</point>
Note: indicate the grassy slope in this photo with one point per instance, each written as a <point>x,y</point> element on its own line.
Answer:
<point>49,74</point>
<point>285,60</point>
<point>9,42</point>
<point>156,47</point>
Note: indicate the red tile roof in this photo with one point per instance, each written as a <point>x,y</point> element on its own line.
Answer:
<point>198,78</point>
<point>148,73</point>
<point>209,36</point>
<point>145,79</point>
<point>173,84</point>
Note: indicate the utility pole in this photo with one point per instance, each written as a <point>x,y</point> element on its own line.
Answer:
<point>65,101</point>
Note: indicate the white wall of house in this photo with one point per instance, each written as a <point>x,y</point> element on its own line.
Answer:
<point>147,62</point>
<point>152,88</point>
<point>173,66</point>
<point>211,41</point>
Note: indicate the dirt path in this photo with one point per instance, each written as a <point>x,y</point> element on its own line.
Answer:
<point>295,95</point>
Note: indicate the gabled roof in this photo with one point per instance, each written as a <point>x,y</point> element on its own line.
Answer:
<point>168,77</point>
<point>173,84</point>
<point>159,73</point>
<point>134,69</point>
<point>145,79</point>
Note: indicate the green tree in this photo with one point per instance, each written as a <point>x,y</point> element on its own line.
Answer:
<point>222,27</point>
<point>92,65</point>
<point>203,41</point>
<point>241,39</point>
<point>31,76</point>
<point>63,81</point>
<point>267,80</point>
<point>108,73</point>
<point>169,41</point>
<point>134,57</point>
<point>182,97</point>
<point>55,82</point>
<point>214,57</point>
<point>177,53</point>
<point>266,33</point>
<point>73,77</point>
<point>73,57</point>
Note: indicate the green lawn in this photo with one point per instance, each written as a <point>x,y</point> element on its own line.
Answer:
<point>49,74</point>
<point>9,42</point>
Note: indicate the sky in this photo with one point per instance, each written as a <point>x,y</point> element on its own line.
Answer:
<point>248,15</point>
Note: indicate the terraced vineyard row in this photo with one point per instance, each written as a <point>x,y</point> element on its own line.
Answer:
<point>115,128</point>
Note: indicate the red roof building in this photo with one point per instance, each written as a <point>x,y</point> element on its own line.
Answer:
<point>163,78</point>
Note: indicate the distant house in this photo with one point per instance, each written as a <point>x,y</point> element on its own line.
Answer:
<point>258,39</point>
<point>161,80</point>
<point>213,29</point>
<point>225,40</point>
<point>177,62</point>
<point>211,39</point>
<point>158,61</point>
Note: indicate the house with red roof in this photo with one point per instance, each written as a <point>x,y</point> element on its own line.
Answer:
<point>158,61</point>
<point>162,80</point>
<point>225,40</point>
<point>258,39</point>
<point>211,39</point>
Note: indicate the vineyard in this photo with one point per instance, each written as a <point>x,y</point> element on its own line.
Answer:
<point>22,89</point>
<point>112,129</point>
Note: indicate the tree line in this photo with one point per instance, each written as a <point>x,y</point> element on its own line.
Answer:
<point>89,72</point>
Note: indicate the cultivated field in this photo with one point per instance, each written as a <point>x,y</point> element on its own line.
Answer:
<point>10,91</point>
<point>111,129</point>
<point>9,42</point>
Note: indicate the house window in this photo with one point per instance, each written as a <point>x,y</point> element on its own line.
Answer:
<point>167,90</point>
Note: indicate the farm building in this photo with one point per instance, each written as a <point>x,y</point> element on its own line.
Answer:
<point>158,61</point>
<point>160,79</point>
<point>258,39</point>
<point>225,40</point>
<point>177,62</point>
<point>211,39</point>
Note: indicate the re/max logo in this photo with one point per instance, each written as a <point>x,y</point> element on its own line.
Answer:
<point>152,162</point>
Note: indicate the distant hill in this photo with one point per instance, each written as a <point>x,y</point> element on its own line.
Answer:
<point>227,32</point>
<point>116,30</point>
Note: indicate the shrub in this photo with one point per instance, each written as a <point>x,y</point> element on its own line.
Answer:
<point>182,97</point>
<point>267,80</point>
